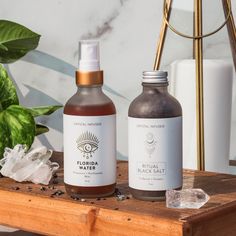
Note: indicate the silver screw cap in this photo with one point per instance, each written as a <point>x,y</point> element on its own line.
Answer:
<point>154,77</point>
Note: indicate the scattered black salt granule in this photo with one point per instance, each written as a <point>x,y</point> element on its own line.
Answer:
<point>55,175</point>
<point>127,197</point>
<point>119,196</point>
<point>57,193</point>
<point>92,202</point>
<point>75,198</point>
<point>98,199</point>
<point>51,187</point>
<point>117,208</point>
<point>119,174</point>
<point>79,199</point>
<point>117,192</point>
<point>15,188</point>
<point>55,181</point>
<point>129,219</point>
<point>43,188</point>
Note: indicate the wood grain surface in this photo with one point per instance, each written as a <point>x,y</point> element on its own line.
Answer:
<point>38,209</point>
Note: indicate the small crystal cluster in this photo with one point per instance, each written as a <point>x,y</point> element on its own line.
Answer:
<point>186,198</point>
<point>33,166</point>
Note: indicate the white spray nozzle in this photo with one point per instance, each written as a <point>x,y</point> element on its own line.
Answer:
<point>89,56</point>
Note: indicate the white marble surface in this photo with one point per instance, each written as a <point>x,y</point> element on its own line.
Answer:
<point>128,31</point>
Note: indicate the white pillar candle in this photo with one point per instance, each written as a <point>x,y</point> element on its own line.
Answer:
<point>217,82</point>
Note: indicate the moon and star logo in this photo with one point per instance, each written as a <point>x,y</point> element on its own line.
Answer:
<point>87,143</point>
<point>150,143</point>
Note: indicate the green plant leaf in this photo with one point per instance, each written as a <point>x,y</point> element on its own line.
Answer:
<point>20,124</point>
<point>8,95</point>
<point>3,47</point>
<point>44,110</point>
<point>4,135</point>
<point>41,129</point>
<point>17,126</point>
<point>15,41</point>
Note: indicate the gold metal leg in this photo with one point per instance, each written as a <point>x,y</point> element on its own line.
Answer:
<point>199,85</point>
<point>198,54</point>
<point>162,36</point>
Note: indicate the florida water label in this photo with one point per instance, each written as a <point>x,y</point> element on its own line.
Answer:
<point>89,150</point>
<point>155,153</point>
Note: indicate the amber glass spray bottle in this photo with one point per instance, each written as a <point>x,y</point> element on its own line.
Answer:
<point>89,131</point>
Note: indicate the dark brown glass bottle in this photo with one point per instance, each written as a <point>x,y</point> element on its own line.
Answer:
<point>89,138</point>
<point>155,140</point>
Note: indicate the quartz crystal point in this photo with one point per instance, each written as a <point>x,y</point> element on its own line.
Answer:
<point>33,166</point>
<point>186,198</point>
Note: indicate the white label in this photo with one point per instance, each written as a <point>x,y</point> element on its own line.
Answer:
<point>155,153</point>
<point>89,150</point>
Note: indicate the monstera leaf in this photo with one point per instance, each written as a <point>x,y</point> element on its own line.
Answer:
<point>15,41</point>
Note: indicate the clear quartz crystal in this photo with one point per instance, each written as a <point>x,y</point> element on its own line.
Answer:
<point>33,166</point>
<point>186,198</point>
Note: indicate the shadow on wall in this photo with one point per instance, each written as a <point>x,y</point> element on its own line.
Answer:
<point>48,61</point>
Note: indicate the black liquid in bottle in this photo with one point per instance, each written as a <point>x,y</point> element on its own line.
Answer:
<point>155,139</point>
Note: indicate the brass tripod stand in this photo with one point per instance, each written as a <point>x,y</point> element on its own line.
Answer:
<point>198,37</point>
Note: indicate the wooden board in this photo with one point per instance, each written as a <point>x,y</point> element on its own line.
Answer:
<point>34,208</point>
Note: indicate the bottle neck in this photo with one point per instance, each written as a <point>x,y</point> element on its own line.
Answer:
<point>89,89</point>
<point>150,88</point>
